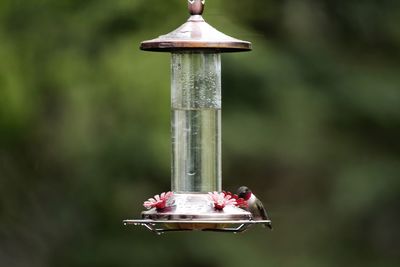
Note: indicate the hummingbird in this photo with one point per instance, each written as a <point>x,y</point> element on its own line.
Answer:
<point>255,206</point>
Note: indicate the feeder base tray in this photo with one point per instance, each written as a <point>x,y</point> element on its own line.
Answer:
<point>162,226</point>
<point>195,212</point>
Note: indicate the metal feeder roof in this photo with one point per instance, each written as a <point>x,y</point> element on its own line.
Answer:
<point>195,34</point>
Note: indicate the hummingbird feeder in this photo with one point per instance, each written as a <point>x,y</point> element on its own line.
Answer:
<point>195,201</point>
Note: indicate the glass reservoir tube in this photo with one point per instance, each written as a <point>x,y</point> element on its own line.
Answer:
<point>196,122</point>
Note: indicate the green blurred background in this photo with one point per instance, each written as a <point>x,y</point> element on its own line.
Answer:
<point>311,122</point>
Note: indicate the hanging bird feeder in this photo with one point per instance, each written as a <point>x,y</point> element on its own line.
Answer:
<point>196,201</point>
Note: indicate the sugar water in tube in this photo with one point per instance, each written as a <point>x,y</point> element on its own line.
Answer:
<point>196,121</point>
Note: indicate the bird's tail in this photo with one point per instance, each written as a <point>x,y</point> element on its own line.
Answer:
<point>269,225</point>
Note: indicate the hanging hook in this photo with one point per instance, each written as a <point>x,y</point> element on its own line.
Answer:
<point>196,7</point>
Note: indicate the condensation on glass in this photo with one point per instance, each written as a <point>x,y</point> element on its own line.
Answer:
<point>196,121</point>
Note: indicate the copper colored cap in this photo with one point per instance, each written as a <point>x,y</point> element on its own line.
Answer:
<point>196,34</point>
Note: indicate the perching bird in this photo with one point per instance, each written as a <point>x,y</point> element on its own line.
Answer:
<point>255,206</point>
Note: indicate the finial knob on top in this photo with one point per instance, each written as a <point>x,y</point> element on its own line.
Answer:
<point>196,7</point>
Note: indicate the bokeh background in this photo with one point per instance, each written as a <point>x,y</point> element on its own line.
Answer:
<point>311,122</point>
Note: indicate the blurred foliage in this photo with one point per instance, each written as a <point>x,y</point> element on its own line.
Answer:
<point>311,121</point>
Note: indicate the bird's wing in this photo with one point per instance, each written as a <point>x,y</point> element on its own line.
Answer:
<point>263,213</point>
<point>261,209</point>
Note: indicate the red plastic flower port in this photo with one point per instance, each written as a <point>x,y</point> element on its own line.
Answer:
<point>240,202</point>
<point>159,201</point>
<point>221,200</point>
